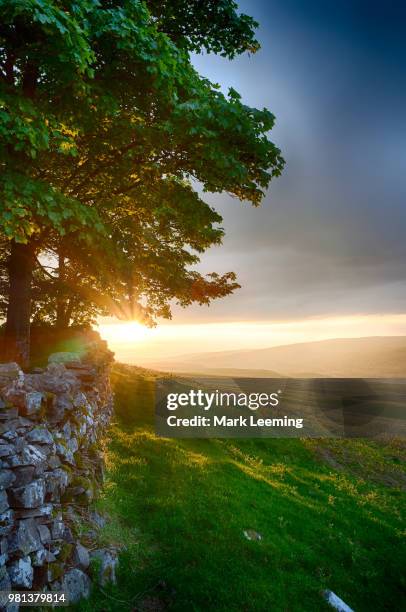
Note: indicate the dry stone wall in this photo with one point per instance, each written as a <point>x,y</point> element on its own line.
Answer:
<point>51,422</point>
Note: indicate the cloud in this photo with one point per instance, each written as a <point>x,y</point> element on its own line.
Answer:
<point>329,237</point>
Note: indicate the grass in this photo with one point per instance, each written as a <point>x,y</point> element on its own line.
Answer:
<point>330,517</point>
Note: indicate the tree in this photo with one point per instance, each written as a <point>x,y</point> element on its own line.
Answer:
<point>106,128</point>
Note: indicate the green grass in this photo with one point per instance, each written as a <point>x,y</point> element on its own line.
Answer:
<point>179,509</point>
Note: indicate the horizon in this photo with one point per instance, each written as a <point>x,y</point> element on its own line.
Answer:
<point>136,344</point>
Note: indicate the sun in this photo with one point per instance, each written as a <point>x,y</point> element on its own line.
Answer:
<point>124,333</point>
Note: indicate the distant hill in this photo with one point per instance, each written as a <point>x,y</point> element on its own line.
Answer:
<point>374,357</point>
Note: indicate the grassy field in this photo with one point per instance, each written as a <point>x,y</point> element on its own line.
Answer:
<point>330,517</point>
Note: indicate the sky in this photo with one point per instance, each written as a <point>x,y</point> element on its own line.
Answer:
<point>329,241</point>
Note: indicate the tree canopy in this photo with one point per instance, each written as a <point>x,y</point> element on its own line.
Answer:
<point>106,132</point>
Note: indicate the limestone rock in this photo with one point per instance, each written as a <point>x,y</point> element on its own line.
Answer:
<point>23,475</point>
<point>49,421</point>
<point>4,505</point>
<point>81,556</point>
<point>67,430</point>
<point>10,435</point>
<point>7,478</point>
<point>44,534</point>
<point>54,461</point>
<point>9,371</point>
<point>108,561</point>
<point>21,573</point>
<point>76,584</point>
<point>42,556</point>
<point>64,357</point>
<point>40,435</point>
<point>6,450</point>
<point>73,445</point>
<point>98,519</point>
<point>44,512</point>
<point>5,582</point>
<point>33,402</point>
<point>26,538</point>
<point>56,483</point>
<point>6,522</point>
<point>65,453</point>
<point>7,413</point>
<point>31,455</point>
<point>57,529</point>
<point>31,495</point>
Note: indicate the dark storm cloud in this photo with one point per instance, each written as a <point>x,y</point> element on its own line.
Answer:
<point>330,236</point>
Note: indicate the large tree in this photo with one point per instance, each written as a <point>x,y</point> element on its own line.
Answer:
<point>106,130</point>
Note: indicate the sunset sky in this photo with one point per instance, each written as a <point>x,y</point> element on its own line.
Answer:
<point>328,245</point>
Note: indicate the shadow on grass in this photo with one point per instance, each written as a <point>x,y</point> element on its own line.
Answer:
<point>180,508</point>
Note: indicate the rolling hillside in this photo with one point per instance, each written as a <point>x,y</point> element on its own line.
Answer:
<point>372,357</point>
<point>246,525</point>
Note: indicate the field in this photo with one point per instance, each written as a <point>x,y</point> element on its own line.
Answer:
<point>319,515</point>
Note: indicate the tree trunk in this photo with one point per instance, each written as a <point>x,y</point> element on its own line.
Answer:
<point>60,293</point>
<point>17,331</point>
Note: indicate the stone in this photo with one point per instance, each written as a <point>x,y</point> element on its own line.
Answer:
<point>19,444</point>
<point>65,405</point>
<point>98,519</point>
<point>81,556</point>
<point>21,573</point>
<point>15,396</point>
<point>31,455</point>
<point>3,552</point>
<point>6,450</point>
<point>68,536</point>
<point>31,495</point>
<point>64,357</point>
<point>23,422</point>
<point>52,571</point>
<point>80,400</point>
<point>7,478</point>
<point>54,461</point>
<point>7,413</point>
<point>9,435</point>
<point>10,371</point>
<point>3,545</point>
<point>26,538</point>
<point>250,534</point>
<point>33,402</point>
<point>4,505</point>
<point>56,483</point>
<point>40,435</point>
<point>44,534</point>
<point>73,445</point>
<point>76,584</point>
<point>57,379</point>
<point>107,563</point>
<point>6,522</point>
<point>44,512</point>
<point>65,453</point>
<point>5,582</point>
<point>8,426</point>
<point>57,529</point>
<point>64,402</point>
<point>42,556</point>
<point>67,430</point>
<point>23,475</point>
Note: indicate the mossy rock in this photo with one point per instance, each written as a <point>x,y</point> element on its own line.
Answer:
<point>55,571</point>
<point>66,552</point>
